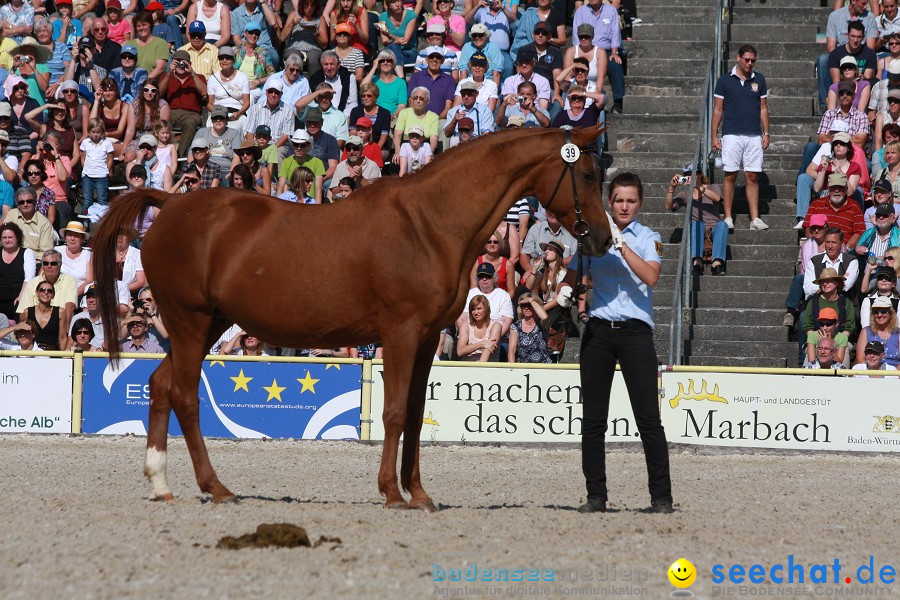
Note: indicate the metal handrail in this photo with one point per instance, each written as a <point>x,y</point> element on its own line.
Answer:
<point>683,281</point>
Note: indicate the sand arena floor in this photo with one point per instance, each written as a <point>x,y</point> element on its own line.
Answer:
<point>76,522</point>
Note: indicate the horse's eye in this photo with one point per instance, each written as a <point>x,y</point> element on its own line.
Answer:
<point>589,176</point>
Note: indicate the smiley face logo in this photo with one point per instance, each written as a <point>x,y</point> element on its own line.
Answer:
<point>682,573</point>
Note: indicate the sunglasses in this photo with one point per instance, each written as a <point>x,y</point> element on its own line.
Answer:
<point>468,93</point>
<point>300,145</point>
<point>492,242</point>
<point>195,150</point>
<point>223,57</point>
<point>367,95</point>
<point>467,131</point>
<point>585,37</point>
<point>293,70</point>
<point>137,324</point>
<point>108,88</point>
<point>541,32</point>
<point>219,118</point>
<point>128,57</point>
<point>33,173</point>
<point>50,263</point>
<point>576,98</point>
<point>45,290</point>
<point>847,93</point>
<point>827,323</point>
<point>70,91</point>
<point>273,91</point>
<point>881,311</point>
<point>353,148</point>
<point>885,278</point>
<point>24,202</point>
<point>485,276</point>
<point>150,90</point>
<point>191,181</point>
<point>525,305</point>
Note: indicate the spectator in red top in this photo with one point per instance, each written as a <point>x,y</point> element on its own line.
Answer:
<point>493,254</point>
<point>371,150</point>
<point>841,161</point>
<point>184,90</point>
<point>838,210</point>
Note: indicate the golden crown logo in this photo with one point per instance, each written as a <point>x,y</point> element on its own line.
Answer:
<point>697,396</point>
<point>886,424</point>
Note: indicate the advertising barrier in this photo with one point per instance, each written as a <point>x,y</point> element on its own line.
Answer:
<point>238,399</point>
<point>777,411</point>
<point>35,395</point>
<point>506,404</point>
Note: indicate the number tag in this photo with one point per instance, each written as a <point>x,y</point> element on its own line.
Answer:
<point>570,153</point>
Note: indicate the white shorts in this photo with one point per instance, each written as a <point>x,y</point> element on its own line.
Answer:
<point>742,149</point>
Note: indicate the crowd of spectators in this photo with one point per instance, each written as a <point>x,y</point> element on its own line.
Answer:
<point>304,101</point>
<point>843,301</point>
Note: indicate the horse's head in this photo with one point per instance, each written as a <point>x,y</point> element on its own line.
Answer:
<point>555,188</point>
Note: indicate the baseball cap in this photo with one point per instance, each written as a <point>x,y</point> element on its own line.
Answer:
<point>468,85</point>
<point>147,139</point>
<point>478,29</point>
<point>828,313</point>
<point>112,5</point>
<point>874,347</point>
<point>179,55</point>
<point>263,130</point>
<point>226,51</point>
<point>343,28</point>
<point>354,140</point>
<point>436,28</point>
<point>218,111</point>
<point>541,26</point>
<point>486,268</point>
<point>5,111</point>
<point>197,27</point>
<point>364,122</point>
<point>478,58</point>
<point>254,26</point>
<point>837,180</point>
<point>274,84</point>
<point>895,94</point>
<point>313,113</point>
<point>883,184</point>
<point>586,29</point>
<point>882,302</point>
<point>841,136</point>
<point>526,55</point>
<point>515,121</point>
<point>415,130</point>
<point>465,124</point>
<point>884,210</point>
<point>848,60</point>
<point>889,272</point>
<point>154,6</point>
<point>847,86</point>
<point>200,143</point>
<point>818,220</point>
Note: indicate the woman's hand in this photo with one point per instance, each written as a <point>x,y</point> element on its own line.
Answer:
<point>489,345</point>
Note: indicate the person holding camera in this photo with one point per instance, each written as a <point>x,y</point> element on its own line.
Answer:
<point>82,70</point>
<point>706,217</point>
<point>185,91</point>
<point>522,104</point>
<point>129,77</point>
<point>137,339</point>
<point>30,63</point>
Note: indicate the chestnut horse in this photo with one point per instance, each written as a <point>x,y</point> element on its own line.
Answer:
<point>390,263</point>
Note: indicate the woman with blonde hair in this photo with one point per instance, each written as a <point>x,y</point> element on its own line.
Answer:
<point>479,340</point>
<point>526,338</point>
<point>882,328</point>
<point>867,279</point>
<point>546,279</point>
<point>505,269</point>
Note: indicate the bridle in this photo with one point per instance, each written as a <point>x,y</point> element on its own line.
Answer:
<point>581,228</point>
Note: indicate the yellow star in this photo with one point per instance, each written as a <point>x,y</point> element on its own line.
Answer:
<point>335,365</point>
<point>274,391</point>
<point>240,382</point>
<point>308,383</point>
<point>213,363</point>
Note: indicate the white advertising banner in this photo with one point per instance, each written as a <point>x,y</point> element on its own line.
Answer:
<point>506,404</point>
<point>782,411</point>
<point>35,395</point>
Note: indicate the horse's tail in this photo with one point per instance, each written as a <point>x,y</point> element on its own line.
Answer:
<point>123,213</point>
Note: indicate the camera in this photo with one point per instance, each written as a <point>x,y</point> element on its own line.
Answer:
<point>181,63</point>
<point>683,179</point>
<point>23,59</point>
<point>827,158</point>
<point>520,99</point>
<point>137,304</point>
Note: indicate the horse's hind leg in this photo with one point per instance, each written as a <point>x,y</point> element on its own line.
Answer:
<point>157,431</point>
<point>192,336</point>
<point>415,410</point>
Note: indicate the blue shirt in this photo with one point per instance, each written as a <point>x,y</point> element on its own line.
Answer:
<point>742,101</point>
<point>129,86</point>
<point>618,293</point>
<point>72,34</point>
<point>240,18</point>
<point>6,193</point>
<point>480,114</point>
<point>606,25</point>
<point>498,26</point>
<point>490,50</point>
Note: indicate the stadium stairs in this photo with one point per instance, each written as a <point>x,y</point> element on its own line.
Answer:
<point>735,319</point>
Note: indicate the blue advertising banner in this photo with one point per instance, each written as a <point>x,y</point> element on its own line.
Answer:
<point>237,399</point>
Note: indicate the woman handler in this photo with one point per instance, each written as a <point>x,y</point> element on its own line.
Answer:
<point>620,327</point>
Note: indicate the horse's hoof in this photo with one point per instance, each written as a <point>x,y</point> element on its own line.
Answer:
<point>167,498</point>
<point>228,498</point>
<point>397,505</point>
<point>426,507</point>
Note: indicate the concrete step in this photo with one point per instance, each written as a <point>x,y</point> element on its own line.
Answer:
<point>741,332</point>
<point>660,175</point>
<point>727,284</point>
<point>770,67</point>
<point>784,192</point>
<point>804,106</point>
<point>739,348</point>
<point>730,317</point>
<point>628,124</point>
<point>741,268</point>
<point>676,104</point>
<point>762,14</point>
<point>662,85</point>
<point>672,235</point>
<point>767,51</point>
<point>665,67</point>
<point>760,362</point>
<point>705,30</point>
<point>654,204</point>
<point>720,300</point>
<point>776,222</point>
<point>764,250</point>
<point>629,141</point>
<point>770,4</point>
<point>651,49</point>
<point>678,159</point>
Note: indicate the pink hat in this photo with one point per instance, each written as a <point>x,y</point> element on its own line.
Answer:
<point>818,221</point>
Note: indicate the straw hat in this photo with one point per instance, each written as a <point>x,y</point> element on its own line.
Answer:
<point>828,274</point>
<point>75,227</point>
<point>41,53</point>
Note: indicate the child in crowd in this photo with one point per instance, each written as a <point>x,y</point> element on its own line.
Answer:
<point>120,29</point>
<point>270,157</point>
<point>298,187</point>
<point>98,154</point>
<point>345,187</point>
<point>371,150</point>
<point>166,152</point>
<point>67,34</point>
<point>415,153</point>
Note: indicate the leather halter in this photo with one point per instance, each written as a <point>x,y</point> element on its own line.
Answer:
<point>581,228</point>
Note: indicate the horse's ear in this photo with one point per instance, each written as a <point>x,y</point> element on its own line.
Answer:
<point>583,136</point>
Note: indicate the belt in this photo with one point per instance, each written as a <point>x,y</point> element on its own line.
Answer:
<point>620,324</point>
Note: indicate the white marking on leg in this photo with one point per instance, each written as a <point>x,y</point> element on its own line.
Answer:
<point>155,470</point>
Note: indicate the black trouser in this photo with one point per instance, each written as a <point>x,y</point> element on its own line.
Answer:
<point>631,342</point>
